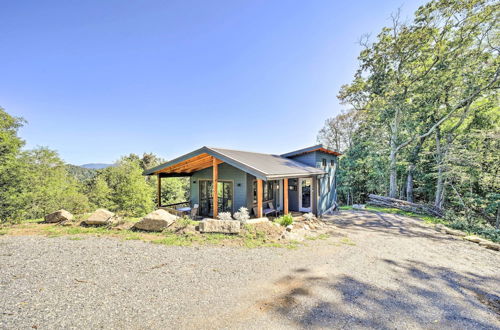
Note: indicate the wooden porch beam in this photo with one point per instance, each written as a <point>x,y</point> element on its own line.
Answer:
<point>215,179</point>
<point>259,198</point>
<point>285,196</point>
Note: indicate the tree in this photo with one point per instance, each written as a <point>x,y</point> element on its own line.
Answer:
<point>417,76</point>
<point>130,193</point>
<point>10,167</point>
<point>337,133</point>
<point>49,186</point>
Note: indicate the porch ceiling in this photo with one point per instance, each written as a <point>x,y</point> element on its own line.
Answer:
<point>190,165</point>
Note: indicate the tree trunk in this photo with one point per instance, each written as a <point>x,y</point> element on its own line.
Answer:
<point>414,157</point>
<point>409,183</point>
<point>393,172</point>
<point>438,202</point>
<point>497,224</point>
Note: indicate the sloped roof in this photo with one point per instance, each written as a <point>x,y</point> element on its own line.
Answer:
<point>318,147</point>
<point>262,166</point>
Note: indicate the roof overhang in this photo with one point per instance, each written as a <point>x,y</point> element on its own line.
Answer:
<point>318,147</point>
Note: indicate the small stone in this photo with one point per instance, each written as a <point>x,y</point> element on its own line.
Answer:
<point>58,216</point>
<point>289,228</point>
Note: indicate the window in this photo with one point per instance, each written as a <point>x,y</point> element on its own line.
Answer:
<point>324,162</point>
<point>332,162</point>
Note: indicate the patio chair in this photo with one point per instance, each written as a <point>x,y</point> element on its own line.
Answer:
<point>270,209</point>
<point>194,211</point>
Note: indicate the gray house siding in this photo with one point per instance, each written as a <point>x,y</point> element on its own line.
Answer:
<point>325,186</point>
<point>226,173</point>
<point>327,183</point>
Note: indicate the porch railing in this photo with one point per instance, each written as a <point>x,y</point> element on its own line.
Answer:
<point>172,208</point>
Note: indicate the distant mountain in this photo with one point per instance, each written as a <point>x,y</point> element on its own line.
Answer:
<point>81,173</point>
<point>96,166</point>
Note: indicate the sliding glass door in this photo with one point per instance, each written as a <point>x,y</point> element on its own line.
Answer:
<point>225,196</point>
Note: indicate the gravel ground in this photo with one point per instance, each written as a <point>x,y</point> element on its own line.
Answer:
<point>377,270</point>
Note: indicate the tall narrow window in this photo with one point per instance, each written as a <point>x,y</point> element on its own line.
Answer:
<point>324,162</point>
<point>332,162</point>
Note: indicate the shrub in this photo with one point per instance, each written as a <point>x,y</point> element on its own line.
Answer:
<point>285,220</point>
<point>242,214</point>
<point>224,216</point>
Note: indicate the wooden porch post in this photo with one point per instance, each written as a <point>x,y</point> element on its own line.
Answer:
<point>215,178</point>
<point>259,198</point>
<point>285,196</point>
<point>159,190</point>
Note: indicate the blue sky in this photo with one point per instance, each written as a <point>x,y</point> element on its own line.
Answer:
<point>99,79</point>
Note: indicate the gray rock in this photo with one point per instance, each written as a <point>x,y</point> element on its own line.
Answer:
<point>58,216</point>
<point>156,221</point>
<point>100,217</point>
<point>220,226</point>
<point>289,228</point>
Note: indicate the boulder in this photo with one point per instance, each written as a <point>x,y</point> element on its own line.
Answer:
<point>100,217</point>
<point>59,216</point>
<point>220,226</point>
<point>490,245</point>
<point>156,221</point>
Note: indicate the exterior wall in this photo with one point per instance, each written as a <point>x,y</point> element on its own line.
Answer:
<point>226,173</point>
<point>327,185</point>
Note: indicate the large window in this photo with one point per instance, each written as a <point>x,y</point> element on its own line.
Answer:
<point>224,194</point>
<point>270,192</point>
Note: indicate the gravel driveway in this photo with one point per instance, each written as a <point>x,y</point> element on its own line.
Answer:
<point>377,270</point>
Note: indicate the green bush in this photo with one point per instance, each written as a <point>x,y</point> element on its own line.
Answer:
<point>285,220</point>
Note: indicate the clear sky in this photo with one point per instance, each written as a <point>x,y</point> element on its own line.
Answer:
<point>99,79</point>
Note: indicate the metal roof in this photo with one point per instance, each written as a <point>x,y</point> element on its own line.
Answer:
<point>262,166</point>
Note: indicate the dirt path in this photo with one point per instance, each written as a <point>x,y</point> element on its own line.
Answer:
<point>377,270</point>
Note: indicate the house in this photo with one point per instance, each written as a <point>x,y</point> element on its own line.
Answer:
<point>223,180</point>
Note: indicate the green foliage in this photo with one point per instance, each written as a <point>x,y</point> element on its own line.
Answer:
<point>285,220</point>
<point>50,187</point>
<point>10,167</point>
<point>129,192</point>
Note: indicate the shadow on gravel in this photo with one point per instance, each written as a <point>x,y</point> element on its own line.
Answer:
<point>423,295</point>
